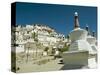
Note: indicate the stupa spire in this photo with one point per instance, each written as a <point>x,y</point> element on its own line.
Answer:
<point>93,33</point>
<point>76,21</point>
<point>87,28</point>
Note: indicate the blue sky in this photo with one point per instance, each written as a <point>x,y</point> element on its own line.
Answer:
<point>59,17</point>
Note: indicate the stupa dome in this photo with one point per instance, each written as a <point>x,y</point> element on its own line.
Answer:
<point>91,40</point>
<point>78,34</point>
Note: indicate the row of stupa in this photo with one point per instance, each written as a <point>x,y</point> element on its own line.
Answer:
<point>80,38</point>
<point>82,50</point>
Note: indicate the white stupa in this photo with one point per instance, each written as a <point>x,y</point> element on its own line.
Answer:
<point>92,61</point>
<point>80,51</point>
<point>78,37</point>
<point>92,40</point>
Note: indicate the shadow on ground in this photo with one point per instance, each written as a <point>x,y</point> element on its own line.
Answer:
<point>70,67</point>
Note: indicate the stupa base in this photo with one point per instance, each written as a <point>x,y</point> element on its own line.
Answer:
<point>78,58</point>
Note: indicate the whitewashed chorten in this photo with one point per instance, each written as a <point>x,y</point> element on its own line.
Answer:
<point>78,37</point>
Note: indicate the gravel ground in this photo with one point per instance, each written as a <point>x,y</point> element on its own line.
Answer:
<point>51,65</point>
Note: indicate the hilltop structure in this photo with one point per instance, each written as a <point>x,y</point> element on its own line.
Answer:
<point>36,33</point>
